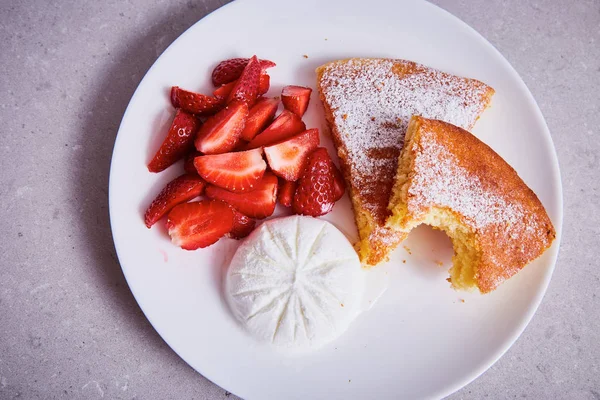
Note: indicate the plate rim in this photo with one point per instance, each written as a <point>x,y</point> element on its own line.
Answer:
<point>511,339</point>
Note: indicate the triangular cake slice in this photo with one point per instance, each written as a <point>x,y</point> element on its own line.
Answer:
<point>368,103</point>
<point>451,180</point>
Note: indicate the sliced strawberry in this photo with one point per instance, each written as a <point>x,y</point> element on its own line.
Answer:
<point>236,172</point>
<point>221,132</point>
<point>314,194</point>
<point>223,91</point>
<point>195,103</point>
<point>259,203</point>
<point>339,187</point>
<point>260,115</point>
<point>242,225</point>
<point>286,125</point>
<point>199,223</point>
<point>286,192</point>
<point>230,70</point>
<point>296,98</point>
<point>287,158</point>
<point>188,164</point>
<point>178,142</point>
<point>264,83</point>
<point>246,87</point>
<point>240,146</point>
<point>179,190</point>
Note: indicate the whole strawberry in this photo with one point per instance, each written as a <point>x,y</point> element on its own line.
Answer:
<point>315,193</point>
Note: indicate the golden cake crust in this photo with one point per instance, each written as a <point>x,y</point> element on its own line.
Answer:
<point>454,171</point>
<point>368,103</point>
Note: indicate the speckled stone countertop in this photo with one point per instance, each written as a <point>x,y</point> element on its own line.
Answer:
<point>69,326</point>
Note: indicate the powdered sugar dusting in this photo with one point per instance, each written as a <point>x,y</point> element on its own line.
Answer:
<point>452,170</point>
<point>372,101</point>
<point>440,181</point>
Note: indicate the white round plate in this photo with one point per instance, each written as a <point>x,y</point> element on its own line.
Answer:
<point>421,339</point>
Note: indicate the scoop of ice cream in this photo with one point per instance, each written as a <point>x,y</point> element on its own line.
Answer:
<point>295,282</point>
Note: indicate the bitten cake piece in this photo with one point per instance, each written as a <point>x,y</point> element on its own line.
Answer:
<point>449,179</point>
<point>368,103</point>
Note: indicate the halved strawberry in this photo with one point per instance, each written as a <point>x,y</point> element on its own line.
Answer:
<point>246,87</point>
<point>179,190</point>
<point>286,192</point>
<point>223,91</point>
<point>287,158</point>
<point>296,98</point>
<point>188,164</point>
<point>242,225</point>
<point>195,103</point>
<point>221,132</point>
<point>260,115</point>
<point>314,194</point>
<point>264,83</point>
<point>230,70</point>
<point>286,125</point>
<point>259,203</point>
<point>339,187</point>
<point>199,223</point>
<point>236,172</point>
<point>178,142</point>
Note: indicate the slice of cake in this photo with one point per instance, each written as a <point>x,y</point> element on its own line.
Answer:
<point>449,179</point>
<point>368,103</point>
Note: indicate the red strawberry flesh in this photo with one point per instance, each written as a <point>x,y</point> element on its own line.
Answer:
<point>178,142</point>
<point>179,190</point>
<point>230,70</point>
<point>242,225</point>
<point>236,172</point>
<point>286,192</point>
<point>264,83</point>
<point>286,125</point>
<point>260,115</point>
<point>246,87</point>
<point>259,203</point>
<point>188,164</point>
<point>199,224</point>
<point>339,187</point>
<point>287,158</point>
<point>223,91</point>
<point>314,194</point>
<point>221,132</point>
<point>195,103</point>
<point>296,98</point>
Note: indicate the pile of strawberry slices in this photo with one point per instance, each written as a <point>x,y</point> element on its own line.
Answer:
<point>241,157</point>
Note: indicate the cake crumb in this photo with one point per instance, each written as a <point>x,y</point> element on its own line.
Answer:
<point>345,116</point>
<point>407,249</point>
<point>305,55</point>
<point>372,118</point>
<point>462,300</point>
<point>342,304</point>
<point>449,280</point>
<point>403,261</point>
<point>439,263</point>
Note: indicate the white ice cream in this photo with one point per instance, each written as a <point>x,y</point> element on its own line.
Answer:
<point>295,282</point>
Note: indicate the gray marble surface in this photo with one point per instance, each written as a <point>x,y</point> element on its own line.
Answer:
<point>69,326</point>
